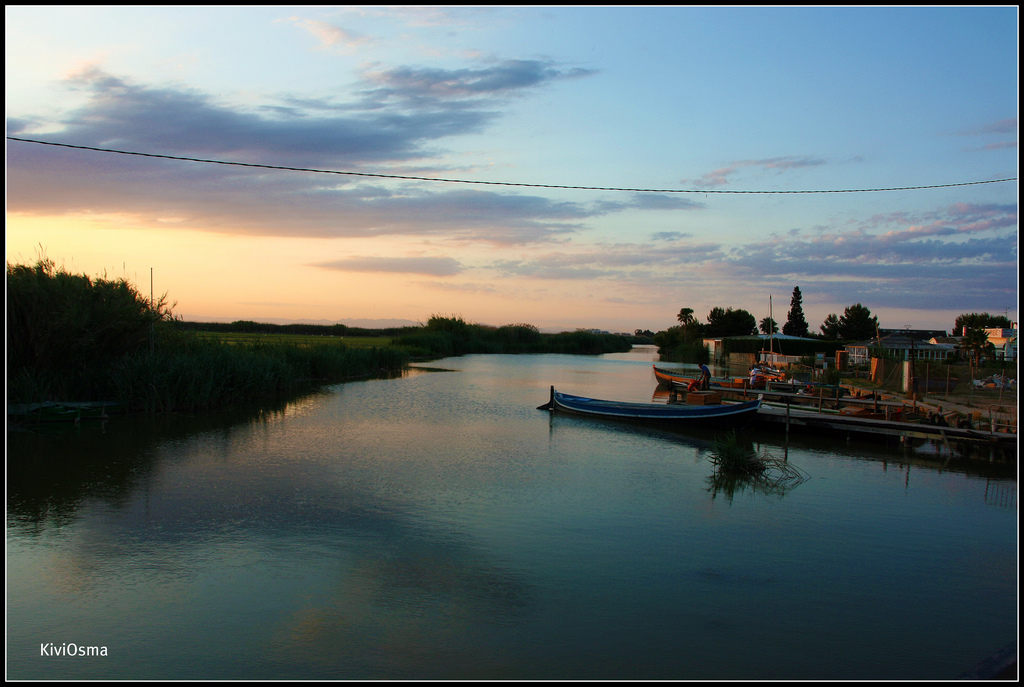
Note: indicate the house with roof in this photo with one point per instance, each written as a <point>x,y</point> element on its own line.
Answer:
<point>900,347</point>
<point>916,334</point>
<point>1004,341</point>
<point>771,347</point>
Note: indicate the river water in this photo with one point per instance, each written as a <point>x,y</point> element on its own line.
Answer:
<point>439,526</point>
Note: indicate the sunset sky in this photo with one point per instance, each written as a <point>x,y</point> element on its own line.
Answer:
<point>702,100</point>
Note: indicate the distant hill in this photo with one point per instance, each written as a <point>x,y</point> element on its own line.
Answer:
<point>352,322</point>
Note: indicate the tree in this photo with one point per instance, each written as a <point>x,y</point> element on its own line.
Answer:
<point>686,318</point>
<point>768,326</point>
<point>729,322</point>
<point>796,325</point>
<point>976,320</point>
<point>975,343</point>
<point>830,327</point>
<point>857,324</point>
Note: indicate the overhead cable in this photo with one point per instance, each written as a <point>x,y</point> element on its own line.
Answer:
<point>494,183</point>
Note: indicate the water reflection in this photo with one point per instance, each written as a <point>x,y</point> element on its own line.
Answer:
<point>439,526</point>
<point>54,468</point>
<point>739,467</point>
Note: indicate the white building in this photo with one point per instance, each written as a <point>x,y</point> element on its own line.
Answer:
<point>1004,341</point>
<point>901,348</point>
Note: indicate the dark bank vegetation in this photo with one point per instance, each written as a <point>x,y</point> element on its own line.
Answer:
<point>74,338</point>
<point>441,336</point>
<point>451,335</point>
<point>248,327</point>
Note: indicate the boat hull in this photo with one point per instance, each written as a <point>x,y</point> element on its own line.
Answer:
<point>668,379</point>
<point>675,415</point>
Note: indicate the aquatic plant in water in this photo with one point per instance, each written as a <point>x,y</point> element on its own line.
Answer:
<point>738,466</point>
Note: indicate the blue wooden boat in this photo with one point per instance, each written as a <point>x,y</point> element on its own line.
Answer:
<point>675,415</point>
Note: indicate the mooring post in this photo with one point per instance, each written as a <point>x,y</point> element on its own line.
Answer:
<point>787,421</point>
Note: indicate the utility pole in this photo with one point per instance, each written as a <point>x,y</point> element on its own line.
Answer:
<point>152,323</point>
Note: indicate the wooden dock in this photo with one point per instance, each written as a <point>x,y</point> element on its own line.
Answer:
<point>799,419</point>
<point>835,411</point>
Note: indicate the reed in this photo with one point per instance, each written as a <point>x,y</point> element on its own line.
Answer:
<point>206,375</point>
<point>739,467</point>
<point>735,454</point>
<point>59,320</point>
<point>73,338</point>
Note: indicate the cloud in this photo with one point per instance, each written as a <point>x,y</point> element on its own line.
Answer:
<point>953,257</point>
<point>651,201</point>
<point>957,256</point>
<point>16,125</point>
<point>720,177</point>
<point>245,201</point>
<point>332,37</point>
<point>956,219</point>
<point>456,88</point>
<point>1002,127</point>
<point>400,110</point>
<point>187,122</point>
<point>438,16</point>
<point>603,261</point>
<point>548,269</point>
<point>459,287</point>
<point>433,266</point>
<point>432,105</point>
<point>670,236</point>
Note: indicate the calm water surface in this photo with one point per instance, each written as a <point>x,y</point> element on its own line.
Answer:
<point>440,526</point>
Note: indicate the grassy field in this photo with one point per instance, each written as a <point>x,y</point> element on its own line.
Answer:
<point>296,339</point>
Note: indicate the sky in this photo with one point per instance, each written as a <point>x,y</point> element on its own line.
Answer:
<point>686,131</point>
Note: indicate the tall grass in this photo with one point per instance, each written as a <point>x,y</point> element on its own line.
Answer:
<point>73,338</point>
<point>202,375</point>
<point>58,320</point>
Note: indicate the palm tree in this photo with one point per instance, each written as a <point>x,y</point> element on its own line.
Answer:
<point>975,342</point>
<point>685,318</point>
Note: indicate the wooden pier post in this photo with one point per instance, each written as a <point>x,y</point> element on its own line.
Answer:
<point>787,421</point>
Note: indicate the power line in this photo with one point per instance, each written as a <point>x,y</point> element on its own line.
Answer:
<point>493,183</point>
